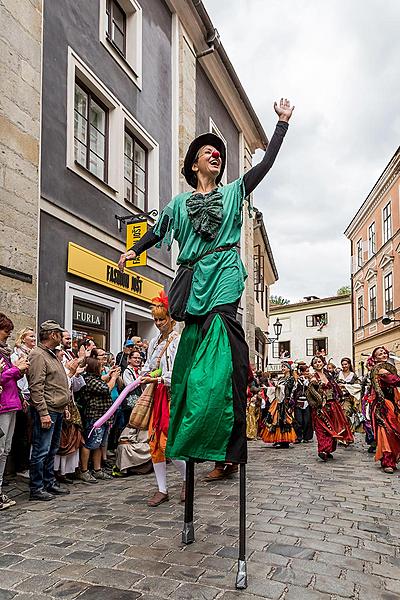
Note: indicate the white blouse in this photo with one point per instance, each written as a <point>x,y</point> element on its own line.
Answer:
<point>167,359</point>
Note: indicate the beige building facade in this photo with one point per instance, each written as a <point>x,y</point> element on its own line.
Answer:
<point>374,234</point>
<point>312,326</point>
<point>20,99</point>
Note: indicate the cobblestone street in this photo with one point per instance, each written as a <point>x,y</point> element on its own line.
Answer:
<point>316,531</point>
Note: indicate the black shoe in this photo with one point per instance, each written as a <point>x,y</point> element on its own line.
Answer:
<point>64,479</point>
<point>323,456</point>
<point>371,450</point>
<point>57,490</point>
<point>41,495</point>
<point>329,455</point>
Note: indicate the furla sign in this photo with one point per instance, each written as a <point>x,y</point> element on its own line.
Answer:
<point>88,316</point>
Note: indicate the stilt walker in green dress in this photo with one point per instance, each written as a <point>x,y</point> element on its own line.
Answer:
<point>209,379</point>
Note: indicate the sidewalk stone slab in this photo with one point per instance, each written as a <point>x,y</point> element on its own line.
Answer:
<point>6,594</point>
<point>72,571</point>
<point>299,593</point>
<point>107,593</point>
<point>188,591</point>
<point>339,587</point>
<point>289,575</point>
<point>6,560</point>
<point>147,567</point>
<point>119,579</point>
<point>32,565</point>
<point>155,584</point>
<point>37,583</point>
<point>67,589</point>
<point>291,551</point>
<point>10,578</point>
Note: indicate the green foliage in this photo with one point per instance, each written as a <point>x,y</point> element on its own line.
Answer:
<point>344,290</point>
<point>278,300</point>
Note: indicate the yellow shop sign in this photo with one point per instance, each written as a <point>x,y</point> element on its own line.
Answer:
<point>88,265</point>
<point>134,232</point>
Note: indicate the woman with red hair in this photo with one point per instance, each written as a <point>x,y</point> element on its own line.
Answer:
<point>384,399</point>
<point>160,357</point>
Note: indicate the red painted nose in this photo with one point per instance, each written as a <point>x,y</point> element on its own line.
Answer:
<point>215,154</point>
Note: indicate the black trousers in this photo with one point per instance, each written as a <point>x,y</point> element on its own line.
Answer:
<point>303,423</point>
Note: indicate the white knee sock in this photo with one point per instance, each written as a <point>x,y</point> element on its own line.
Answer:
<point>181,466</point>
<point>160,470</point>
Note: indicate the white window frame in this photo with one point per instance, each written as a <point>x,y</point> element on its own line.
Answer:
<point>213,128</point>
<point>390,232</point>
<point>371,239</point>
<point>313,343</point>
<point>78,292</point>
<point>132,62</point>
<point>153,196</point>
<point>119,119</point>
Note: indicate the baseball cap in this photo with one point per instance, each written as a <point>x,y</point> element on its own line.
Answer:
<point>129,343</point>
<point>51,325</point>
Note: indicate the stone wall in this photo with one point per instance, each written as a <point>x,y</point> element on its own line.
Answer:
<point>20,87</point>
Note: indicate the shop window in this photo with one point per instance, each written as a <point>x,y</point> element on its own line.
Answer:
<point>315,346</point>
<point>131,329</point>
<point>90,322</point>
<point>90,132</point>
<point>135,172</point>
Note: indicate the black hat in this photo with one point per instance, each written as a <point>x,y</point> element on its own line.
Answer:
<point>206,139</point>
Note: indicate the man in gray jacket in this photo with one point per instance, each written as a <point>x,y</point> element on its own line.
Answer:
<point>49,390</point>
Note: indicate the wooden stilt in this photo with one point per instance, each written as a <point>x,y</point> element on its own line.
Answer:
<point>188,529</point>
<point>241,577</point>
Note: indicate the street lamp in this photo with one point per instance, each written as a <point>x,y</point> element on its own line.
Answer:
<point>277,330</point>
<point>386,320</point>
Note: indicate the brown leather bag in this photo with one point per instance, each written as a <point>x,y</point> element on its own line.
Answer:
<point>141,412</point>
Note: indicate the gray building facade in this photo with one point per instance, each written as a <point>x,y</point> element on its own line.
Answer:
<point>106,151</point>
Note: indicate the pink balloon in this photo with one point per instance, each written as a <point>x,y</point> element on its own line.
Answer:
<point>129,388</point>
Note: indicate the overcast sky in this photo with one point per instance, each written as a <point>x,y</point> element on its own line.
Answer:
<point>339,62</point>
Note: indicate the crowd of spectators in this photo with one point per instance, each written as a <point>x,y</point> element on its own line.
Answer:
<point>50,397</point>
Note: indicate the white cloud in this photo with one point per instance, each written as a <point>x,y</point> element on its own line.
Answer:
<point>338,62</point>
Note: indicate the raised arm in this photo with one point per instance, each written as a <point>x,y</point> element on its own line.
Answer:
<point>149,240</point>
<point>257,173</point>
